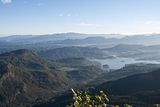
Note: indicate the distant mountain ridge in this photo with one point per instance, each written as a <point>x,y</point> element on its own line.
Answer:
<point>139,52</point>
<point>77,38</point>
<point>43,38</point>
<point>73,52</point>
<point>51,41</point>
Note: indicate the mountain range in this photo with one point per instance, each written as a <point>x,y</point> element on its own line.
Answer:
<point>39,70</point>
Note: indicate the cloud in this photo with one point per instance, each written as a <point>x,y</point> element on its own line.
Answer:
<point>89,24</point>
<point>6,1</point>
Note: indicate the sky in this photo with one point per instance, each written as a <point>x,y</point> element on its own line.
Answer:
<point>36,17</point>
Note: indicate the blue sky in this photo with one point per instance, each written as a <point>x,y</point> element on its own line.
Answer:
<point>83,16</point>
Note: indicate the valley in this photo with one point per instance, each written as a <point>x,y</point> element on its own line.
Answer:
<point>38,72</point>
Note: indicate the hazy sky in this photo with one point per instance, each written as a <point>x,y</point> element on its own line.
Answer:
<point>84,16</point>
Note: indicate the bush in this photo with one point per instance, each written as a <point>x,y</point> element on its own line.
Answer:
<point>83,99</point>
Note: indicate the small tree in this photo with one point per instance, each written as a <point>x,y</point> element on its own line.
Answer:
<point>83,99</point>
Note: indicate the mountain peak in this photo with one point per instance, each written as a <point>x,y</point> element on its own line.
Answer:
<point>18,52</point>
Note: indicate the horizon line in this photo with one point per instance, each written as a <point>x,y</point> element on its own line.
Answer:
<point>56,33</point>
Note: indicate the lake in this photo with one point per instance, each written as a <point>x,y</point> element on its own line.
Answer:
<point>119,62</point>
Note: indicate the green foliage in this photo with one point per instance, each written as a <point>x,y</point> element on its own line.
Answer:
<point>83,99</point>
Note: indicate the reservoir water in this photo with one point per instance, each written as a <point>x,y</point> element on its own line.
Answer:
<point>119,62</point>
